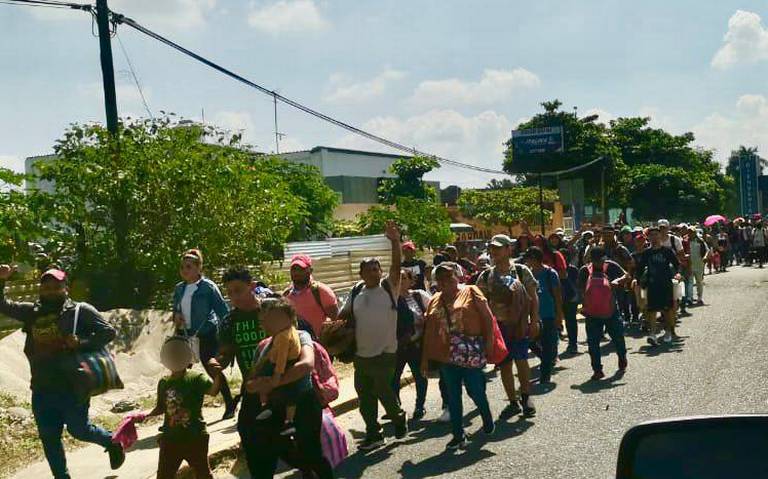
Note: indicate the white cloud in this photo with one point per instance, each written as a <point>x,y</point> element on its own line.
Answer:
<point>494,86</point>
<point>745,42</point>
<point>243,122</point>
<point>348,92</point>
<point>477,140</point>
<point>167,14</point>
<point>15,163</point>
<point>287,16</point>
<point>746,124</point>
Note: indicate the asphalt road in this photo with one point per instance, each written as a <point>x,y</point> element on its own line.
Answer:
<point>717,367</point>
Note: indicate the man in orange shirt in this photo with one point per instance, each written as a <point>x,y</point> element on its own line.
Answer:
<point>313,301</point>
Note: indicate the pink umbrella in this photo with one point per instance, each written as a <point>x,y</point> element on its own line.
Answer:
<point>711,220</point>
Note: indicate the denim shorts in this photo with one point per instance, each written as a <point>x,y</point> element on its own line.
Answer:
<point>517,349</point>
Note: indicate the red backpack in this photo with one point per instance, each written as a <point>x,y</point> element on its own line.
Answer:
<point>598,295</point>
<point>324,377</point>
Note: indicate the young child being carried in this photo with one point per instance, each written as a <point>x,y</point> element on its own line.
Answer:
<point>180,398</point>
<point>278,318</point>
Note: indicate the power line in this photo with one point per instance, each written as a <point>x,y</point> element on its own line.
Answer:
<point>121,19</point>
<point>133,74</point>
<point>48,4</point>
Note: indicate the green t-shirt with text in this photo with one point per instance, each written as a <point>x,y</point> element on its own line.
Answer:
<point>241,331</point>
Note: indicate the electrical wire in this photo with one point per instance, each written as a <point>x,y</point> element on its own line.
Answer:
<point>48,4</point>
<point>133,74</point>
<point>121,19</point>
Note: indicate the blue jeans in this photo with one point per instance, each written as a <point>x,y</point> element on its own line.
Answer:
<point>615,329</point>
<point>55,410</point>
<point>411,355</point>
<point>473,380</point>
<point>549,338</point>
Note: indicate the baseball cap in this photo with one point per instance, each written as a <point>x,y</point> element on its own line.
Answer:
<point>302,261</point>
<point>662,223</point>
<point>502,240</point>
<point>626,229</point>
<point>448,266</point>
<point>588,233</point>
<point>54,273</point>
<point>409,245</point>
<point>638,229</point>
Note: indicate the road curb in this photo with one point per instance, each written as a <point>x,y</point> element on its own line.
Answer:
<point>338,409</point>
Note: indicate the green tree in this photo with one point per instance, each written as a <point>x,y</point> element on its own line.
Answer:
<point>427,223</point>
<point>318,199</point>
<point>503,184</point>
<point>178,186</point>
<point>506,207</point>
<point>408,181</point>
<point>23,220</point>
<point>585,140</point>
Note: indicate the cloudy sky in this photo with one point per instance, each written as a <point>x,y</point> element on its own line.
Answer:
<point>446,76</point>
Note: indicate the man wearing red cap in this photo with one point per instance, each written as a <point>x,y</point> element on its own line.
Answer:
<point>416,266</point>
<point>49,346</point>
<point>313,301</point>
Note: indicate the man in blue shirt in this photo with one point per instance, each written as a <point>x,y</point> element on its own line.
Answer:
<point>550,309</point>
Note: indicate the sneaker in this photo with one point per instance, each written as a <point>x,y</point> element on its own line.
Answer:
<point>597,375</point>
<point>457,443</point>
<point>652,340</point>
<point>418,414</point>
<point>288,430</point>
<point>512,409</point>
<point>265,414</point>
<point>489,428</point>
<point>528,408</point>
<point>667,337</point>
<point>116,456</point>
<point>623,364</point>
<point>372,442</point>
<point>445,416</point>
<point>546,379</point>
<point>401,425</point>
<point>700,303</point>
<point>229,413</point>
<point>572,349</point>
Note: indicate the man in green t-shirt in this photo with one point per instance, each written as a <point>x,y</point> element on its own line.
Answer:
<point>241,331</point>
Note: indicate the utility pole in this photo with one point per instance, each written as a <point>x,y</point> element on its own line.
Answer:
<point>602,195</point>
<point>107,69</point>
<point>277,132</point>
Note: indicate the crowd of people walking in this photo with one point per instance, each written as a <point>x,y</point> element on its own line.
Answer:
<point>448,320</point>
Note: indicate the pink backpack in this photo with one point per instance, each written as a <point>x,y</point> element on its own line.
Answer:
<point>324,377</point>
<point>598,295</point>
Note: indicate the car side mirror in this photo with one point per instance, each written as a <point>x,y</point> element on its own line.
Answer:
<point>696,447</point>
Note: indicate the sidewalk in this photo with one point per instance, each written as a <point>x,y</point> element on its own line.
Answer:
<point>91,462</point>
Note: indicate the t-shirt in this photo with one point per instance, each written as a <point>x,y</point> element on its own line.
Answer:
<point>241,331</point>
<point>418,310</point>
<point>678,243</point>
<point>305,304</point>
<point>556,260</point>
<point>661,265</point>
<point>548,280</point>
<point>186,302</point>
<point>182,401</point>
<point>419,270</point>
<point>464,313</point>
<point>375,322</point>
<point>496,285</point>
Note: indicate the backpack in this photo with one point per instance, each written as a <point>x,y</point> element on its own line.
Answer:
<point>406,326</point>
<point>516,325</point>
<point>324,377</point>
<point>598,295</point>
<point>359,287</point>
